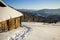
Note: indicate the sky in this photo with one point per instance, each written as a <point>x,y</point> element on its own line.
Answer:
<point>34,4</point>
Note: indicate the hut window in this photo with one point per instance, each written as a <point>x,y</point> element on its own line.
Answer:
<point>2,5</point>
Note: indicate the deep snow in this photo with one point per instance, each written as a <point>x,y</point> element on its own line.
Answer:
<point>41,31</point>
<point>15,34</point>
<point>33,31</point>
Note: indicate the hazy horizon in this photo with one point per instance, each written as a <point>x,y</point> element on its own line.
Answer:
<point>34,4</point>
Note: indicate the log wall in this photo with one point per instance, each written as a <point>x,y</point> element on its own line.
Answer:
<point>17,22</point>
<point>0,28</point>
<point>3,26</point>
<point>10,24</point>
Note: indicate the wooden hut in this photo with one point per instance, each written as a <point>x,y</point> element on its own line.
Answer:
<point>9,18</point>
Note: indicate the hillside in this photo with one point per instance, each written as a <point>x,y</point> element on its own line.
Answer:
<point>41,31</point>
<point>44,15</point>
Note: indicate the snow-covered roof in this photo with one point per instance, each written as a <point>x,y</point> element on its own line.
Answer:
<point>4,16</point>
<point>8,12</point>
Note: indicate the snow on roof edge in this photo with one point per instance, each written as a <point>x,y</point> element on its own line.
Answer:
<point>12,13</point>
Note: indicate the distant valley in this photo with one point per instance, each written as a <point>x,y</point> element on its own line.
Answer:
<point>44,15</point>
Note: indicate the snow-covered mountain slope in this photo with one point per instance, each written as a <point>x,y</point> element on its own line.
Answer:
<point>43,31</point>
<point>15,34</point>
<point>33,31</point>
<point>42,12</point>
<point>10,34</point>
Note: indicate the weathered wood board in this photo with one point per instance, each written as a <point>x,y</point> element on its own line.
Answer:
<point>11,24</point>
<point>0,28</point>
<point>17,22</point>
<point>4,26</point>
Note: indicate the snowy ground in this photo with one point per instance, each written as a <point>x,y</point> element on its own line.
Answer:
<point>41,31</point>
<point>33,31</point>
<point>15,34</point>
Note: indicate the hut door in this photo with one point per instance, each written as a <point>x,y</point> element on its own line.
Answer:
<point>11,24</point>
<point>17,22</point>
<point>4,26</point>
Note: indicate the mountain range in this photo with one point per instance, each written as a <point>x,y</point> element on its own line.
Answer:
<point>43,14</point>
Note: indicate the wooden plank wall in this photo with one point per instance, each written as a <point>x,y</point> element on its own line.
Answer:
<point>4,26</point>
<point>17,20</point>
<point>11,24</point>
<point>0,28</point>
